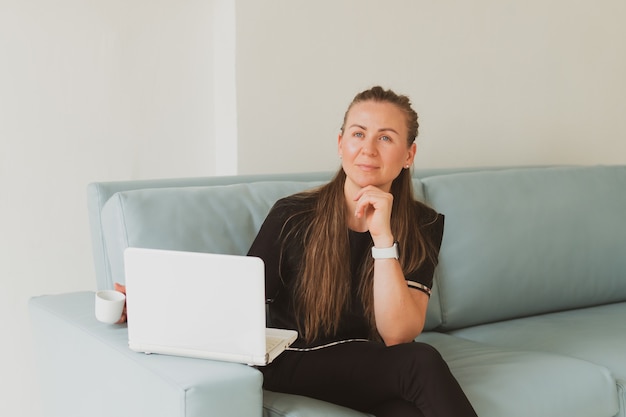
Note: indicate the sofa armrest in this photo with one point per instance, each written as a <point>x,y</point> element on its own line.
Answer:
<point>86,368</point>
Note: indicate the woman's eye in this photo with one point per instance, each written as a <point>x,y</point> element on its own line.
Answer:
<point>385,138</point>
<point>358,135</point>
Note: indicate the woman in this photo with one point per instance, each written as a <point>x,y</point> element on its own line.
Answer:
<point>350,266</point>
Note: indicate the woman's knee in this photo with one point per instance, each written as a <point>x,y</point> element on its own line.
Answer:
<point>421,356</point>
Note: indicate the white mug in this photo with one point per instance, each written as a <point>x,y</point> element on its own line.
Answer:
<point>109,306</point>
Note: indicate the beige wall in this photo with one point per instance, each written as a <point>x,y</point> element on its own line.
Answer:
<point>89,90</point>
<point>107,90</point>
<point>495,82</point>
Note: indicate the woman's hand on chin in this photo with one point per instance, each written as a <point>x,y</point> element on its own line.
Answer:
<point>374,205</point>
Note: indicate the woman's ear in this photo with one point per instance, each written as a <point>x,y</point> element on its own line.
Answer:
<point>411,156</point>
<point>339,152</point>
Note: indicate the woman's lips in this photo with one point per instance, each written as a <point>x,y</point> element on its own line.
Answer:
<point>366,167</point>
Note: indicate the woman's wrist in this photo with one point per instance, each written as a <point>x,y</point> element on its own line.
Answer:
<point>383,241</point>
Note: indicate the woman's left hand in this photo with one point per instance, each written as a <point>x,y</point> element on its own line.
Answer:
<point>121,288</point>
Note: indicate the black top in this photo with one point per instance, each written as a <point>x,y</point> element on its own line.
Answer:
<point>282,263</point>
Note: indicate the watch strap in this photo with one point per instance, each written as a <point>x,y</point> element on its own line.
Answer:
<point>386,253</point>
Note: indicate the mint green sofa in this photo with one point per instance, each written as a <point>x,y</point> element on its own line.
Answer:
<point>529,304</point>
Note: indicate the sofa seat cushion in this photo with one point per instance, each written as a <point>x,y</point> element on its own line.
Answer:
<point>277,404</point>
<point>595,334</point>
<point>511,382</point>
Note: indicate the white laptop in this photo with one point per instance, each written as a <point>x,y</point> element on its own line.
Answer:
<point>200,305</point>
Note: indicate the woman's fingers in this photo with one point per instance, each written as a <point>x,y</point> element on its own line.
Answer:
<point>121,288</point>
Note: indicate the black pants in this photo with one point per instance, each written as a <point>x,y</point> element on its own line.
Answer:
<point>407,380</point>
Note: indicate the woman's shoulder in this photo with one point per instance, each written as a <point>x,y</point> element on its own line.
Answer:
<point>293,206</point>
<point>430,223</point>
<point>427,215</point>
<point>297,202</point>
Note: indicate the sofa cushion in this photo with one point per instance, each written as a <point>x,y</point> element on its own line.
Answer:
<point>595,334</point>
<point>513,382</point>
<point>219,219</point>
<point>521,242</point>
<point>278,404</point>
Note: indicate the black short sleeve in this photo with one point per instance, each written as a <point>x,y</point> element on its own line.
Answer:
<point>423,276</point>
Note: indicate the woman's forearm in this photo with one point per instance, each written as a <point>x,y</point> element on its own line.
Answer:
<point>399,310</point>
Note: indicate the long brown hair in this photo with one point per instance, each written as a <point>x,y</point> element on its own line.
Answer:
<point>324,288</point>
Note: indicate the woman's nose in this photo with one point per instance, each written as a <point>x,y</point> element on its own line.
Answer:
<point>369,146</point>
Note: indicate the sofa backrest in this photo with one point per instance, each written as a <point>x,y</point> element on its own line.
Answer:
<point>521,242</point>
<point>517,241</point>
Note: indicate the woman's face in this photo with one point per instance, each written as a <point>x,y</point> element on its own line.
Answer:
<point>373,146</point>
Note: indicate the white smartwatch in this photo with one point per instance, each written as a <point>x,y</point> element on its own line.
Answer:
<point>386,253</point>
